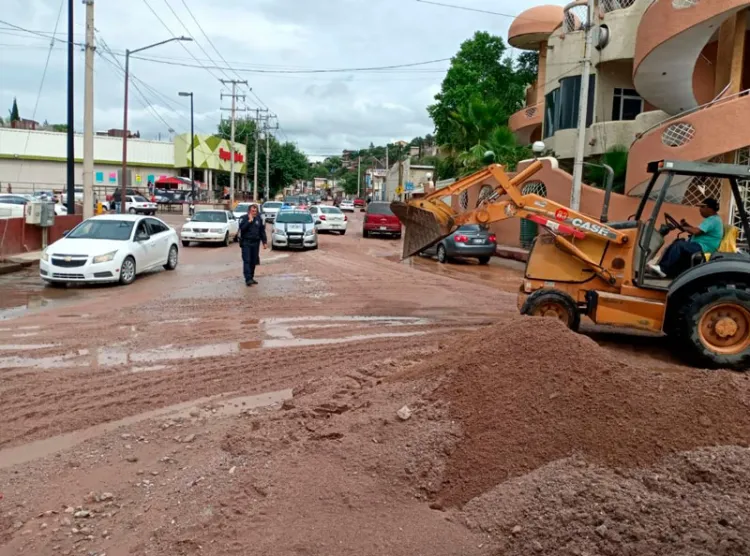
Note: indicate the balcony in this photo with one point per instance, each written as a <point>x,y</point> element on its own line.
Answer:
<point>575,17</point>
<point>699,134</point>
<point>526,121</point>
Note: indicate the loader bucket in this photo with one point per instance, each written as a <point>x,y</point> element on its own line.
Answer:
<point>426,223</point>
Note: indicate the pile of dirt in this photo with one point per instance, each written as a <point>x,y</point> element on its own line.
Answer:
<point>528,392</point>
<point>691,504</point>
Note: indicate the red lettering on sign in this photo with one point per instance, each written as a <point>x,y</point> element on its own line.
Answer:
<point>561,214</point>
<point>226,155</point>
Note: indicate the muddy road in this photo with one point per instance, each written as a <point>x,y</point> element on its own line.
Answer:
<point>190,414</point>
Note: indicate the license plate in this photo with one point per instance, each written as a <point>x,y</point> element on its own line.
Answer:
<point>477,241</point>
<point>383,228</point>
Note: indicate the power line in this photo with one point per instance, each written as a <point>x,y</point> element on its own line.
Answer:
<point>465,8</point>
<point>185,48</point>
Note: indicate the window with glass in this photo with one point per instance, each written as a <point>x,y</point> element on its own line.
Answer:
<point>561,105</point>
<point>626,104</point>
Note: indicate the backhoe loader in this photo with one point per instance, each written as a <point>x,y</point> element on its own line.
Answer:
<point>580,266</point>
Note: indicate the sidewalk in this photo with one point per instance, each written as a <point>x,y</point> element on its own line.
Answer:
<point>14,263</point>
<point>514,253</point>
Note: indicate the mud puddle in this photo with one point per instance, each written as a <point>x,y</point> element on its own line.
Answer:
<point>22,292</point>
<point>223,408</point>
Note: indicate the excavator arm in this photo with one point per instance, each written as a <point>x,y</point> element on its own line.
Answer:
<point>429,219</point>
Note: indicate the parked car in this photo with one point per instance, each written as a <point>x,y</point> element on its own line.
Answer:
<point>329,219</point>
<point>359,203</point>
<point>293,200</point>
<point>241,210</point>
<point>210,226</point>
<point>135,204</point>
<point>469,241</point>
<point>347,205</point>
<point>110,248</point>
<point>379,219</point>
<point>294,228</point>
<point>20,200</point>
<point>269,210</point>
<point>315,200</point>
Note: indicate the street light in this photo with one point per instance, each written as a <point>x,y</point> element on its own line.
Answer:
<point>123,185</point>
<point>192,144</point>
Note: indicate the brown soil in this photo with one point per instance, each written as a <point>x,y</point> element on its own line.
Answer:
<point>530,392</point>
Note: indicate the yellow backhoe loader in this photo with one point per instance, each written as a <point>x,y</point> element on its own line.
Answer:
<point>583,266</point>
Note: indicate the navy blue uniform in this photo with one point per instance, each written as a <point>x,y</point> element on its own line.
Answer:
<point>252,234</point>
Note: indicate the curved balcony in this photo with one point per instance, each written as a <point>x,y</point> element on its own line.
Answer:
<point>527,120</point>
<point>575,16</point>
<point>670,39</point>
<point>699,134</point>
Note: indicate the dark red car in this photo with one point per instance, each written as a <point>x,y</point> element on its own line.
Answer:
<point>359,203</point>
<point>379,219</point>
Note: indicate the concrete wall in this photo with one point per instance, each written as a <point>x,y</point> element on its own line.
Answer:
<point>18,237</point>
<point>623,26</point>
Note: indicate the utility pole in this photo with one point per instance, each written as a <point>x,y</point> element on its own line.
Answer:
<point>192,145</point>
<point>359,174</point>
<point>583,110</point>
<point>234,96</point>
<point>88,115</point>
<point>71,162</point>
<point>387,170</point>
<point>268,154</point>
<point>257,140</point>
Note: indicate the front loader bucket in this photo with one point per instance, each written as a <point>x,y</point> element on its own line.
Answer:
<point>426,223</point>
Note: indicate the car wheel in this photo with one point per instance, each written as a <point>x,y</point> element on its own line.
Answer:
<point>226,240</point>
<point>441,254</point>
<point>236,238</point>
<point>398,236</point>
<point>365,234</point>
<point>127,271</point>
<point>185,243</point>
<point>172,258</point>
<point>484,260</point>
<point>51,284</point>
<point>343,232</point>
<point>131,210</point>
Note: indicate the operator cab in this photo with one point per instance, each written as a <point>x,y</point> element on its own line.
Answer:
<point>671,180</point>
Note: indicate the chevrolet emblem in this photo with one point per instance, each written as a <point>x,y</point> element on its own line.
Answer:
<point>67,259</point>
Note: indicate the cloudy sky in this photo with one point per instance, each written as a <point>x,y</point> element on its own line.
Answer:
<point>322,112</point>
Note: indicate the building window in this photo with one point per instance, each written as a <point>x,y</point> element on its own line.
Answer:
<point>626,105</point>
<point>550,109</point>
<point>561,105</point>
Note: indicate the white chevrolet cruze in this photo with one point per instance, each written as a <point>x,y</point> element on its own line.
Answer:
<point>294,228</point>
<point>210,226</point>
<point>110,248</point>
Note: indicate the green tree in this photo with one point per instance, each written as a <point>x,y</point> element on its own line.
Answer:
<point>617,158</point>
<point>477,70</point>
<point>14,115</point>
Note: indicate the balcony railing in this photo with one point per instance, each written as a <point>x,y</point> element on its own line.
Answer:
<point>575,16</point>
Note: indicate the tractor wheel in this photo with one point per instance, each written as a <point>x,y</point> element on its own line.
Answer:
<point>555,304</point>
<point>715,324</point>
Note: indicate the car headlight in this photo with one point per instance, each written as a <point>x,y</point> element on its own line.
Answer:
<point>310,232</point>
<point>105,258</point>
<point>45,256</point>
<point>279,232</point>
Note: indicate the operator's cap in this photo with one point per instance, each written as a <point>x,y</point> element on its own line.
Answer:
<point>711,203</point>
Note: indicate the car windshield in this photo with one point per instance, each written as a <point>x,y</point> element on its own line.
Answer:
<point>471,228</point>
<point>294,218</point>
<point>210,216</point>
<point>103,229</point>
<point>292,200</point>
<point>139,199</point>
<point>242,207</point>
<point>272,205</point>
<point>330,210</point>
<point>379,208</point>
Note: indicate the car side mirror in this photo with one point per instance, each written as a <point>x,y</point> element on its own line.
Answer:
<point>188,219</point>
<point>142,237</point>
<point>65,233</point>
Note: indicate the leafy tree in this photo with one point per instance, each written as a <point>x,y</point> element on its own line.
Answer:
<point>477,70</point>
<point>527,67</point>
<point>617,158</point>
<point>60,127</point>
<point>13,112</point>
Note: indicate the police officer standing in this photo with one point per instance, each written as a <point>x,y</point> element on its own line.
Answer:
<point>252,234</point>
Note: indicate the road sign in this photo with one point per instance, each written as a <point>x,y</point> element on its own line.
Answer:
<point>410,186</point>
<point>399,190</point>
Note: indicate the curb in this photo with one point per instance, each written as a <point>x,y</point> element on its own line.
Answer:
<point>513,253</point>
<point>8,267</point>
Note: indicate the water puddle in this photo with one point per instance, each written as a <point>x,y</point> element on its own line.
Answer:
<point>24,347</point>
<point>48,446</point>
<point>52,362</point>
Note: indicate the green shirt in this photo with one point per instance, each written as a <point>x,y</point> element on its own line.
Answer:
<point>713,233</point>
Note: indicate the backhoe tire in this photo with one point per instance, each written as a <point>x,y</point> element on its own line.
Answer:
<point>555,304</point>
<point>714,324</point>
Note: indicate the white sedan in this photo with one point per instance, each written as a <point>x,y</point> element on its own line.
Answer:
<point>110,248</point>
<point>329,219</point>
<point>210,226</point>
<point>140,205</point>
<point>347,205</point>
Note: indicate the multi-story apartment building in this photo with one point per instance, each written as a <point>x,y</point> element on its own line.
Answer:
<point>670,79</point>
